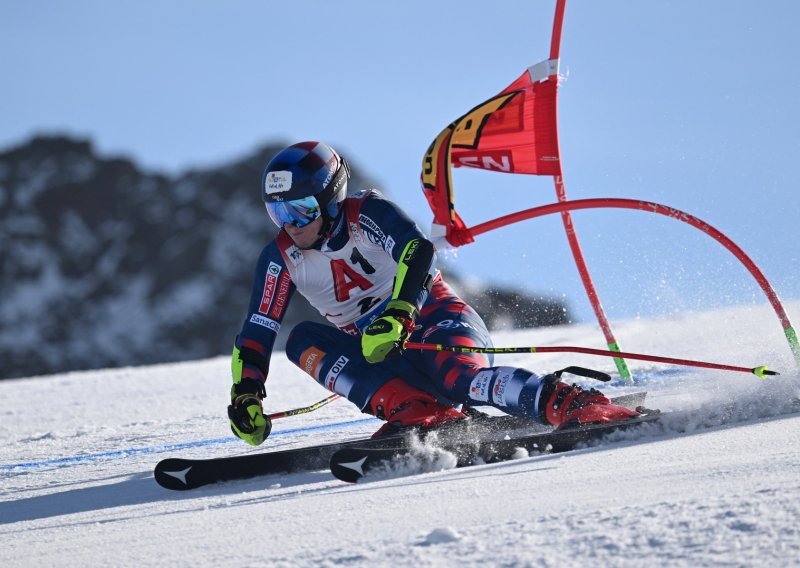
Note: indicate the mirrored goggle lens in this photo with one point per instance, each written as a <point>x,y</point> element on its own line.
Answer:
<point>299,212</point>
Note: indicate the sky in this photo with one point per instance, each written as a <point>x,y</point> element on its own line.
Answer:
<point>689,104</point>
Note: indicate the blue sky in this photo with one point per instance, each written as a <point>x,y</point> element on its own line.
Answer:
<point>691,104</point>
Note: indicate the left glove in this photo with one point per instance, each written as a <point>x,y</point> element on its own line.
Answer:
<point>385,337</point>
<point>246,413</point>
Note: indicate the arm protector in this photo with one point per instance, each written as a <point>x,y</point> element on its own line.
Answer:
<point>413,280</point>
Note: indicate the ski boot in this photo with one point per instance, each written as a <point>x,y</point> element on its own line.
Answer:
<point>569,406</point>
<point>403,406</point>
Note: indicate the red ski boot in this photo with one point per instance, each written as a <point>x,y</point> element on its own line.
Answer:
<point>569,405</point>
<point>403,406</point>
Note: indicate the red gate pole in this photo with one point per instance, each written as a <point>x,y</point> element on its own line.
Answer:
<point>649,206</point>
<point>566,217</point>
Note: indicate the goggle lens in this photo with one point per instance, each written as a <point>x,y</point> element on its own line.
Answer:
<point>299,212</point>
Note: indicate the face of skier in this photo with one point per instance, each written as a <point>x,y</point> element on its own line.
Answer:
<point>305,236</point>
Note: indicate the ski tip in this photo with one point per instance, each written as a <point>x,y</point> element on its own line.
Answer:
<point>172,474</point>
<point>348,465</point>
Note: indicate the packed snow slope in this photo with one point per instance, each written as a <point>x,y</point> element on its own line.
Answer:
<point>717,483</point>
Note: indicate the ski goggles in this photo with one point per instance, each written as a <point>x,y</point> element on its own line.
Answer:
<point>298,212</point>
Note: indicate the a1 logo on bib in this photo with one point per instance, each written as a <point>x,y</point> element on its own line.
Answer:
<point>277,182</point>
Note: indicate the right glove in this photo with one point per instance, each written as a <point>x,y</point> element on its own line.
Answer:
<point>246,414</point>
<point>385,337</point>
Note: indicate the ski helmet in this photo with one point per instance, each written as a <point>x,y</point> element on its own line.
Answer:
<point>303,182</point>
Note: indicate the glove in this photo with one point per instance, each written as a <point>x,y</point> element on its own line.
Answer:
<point>246,414</point>
<point>385,337</point>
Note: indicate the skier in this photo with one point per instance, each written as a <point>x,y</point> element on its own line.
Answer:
<point>371,272</point>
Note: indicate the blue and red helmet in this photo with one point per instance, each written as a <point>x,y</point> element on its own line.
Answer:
<point>303,182</point>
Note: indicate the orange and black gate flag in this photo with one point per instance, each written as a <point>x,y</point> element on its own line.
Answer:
<point>514,132</point>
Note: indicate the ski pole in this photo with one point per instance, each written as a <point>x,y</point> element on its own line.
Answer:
<point>305,409</point>
<point>761,371</point>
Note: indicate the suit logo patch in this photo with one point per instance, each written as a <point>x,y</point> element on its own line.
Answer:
<point>258,319</point>
<point>270,287</point>
<point>333,374</point>
<point>310,360</point>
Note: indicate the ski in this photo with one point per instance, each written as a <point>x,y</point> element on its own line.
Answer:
<point>352,463</point>
<point>182,474</point>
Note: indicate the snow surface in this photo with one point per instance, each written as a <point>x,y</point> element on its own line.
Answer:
<point>718,483</point>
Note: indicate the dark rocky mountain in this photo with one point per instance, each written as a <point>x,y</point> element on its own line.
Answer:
<point>104,264</point>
